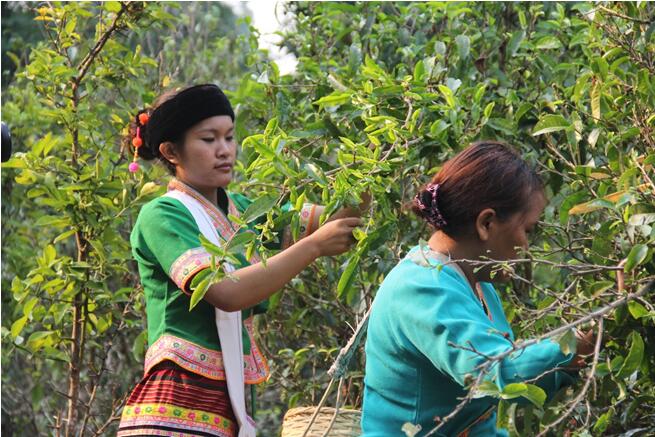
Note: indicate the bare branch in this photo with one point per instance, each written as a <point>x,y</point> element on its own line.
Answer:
<point>592,372</point>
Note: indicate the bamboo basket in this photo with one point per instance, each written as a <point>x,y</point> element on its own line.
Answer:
<point>346,423</point>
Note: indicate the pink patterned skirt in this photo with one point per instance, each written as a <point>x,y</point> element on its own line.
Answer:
<point>171,401</point>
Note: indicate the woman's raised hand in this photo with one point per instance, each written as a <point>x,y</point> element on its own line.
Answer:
<point>352,211</point>
<point>584,347</point>
<point>336,236</point>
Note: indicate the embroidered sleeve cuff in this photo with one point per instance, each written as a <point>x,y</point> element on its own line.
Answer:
<point>309,219</point>
<point>187,265</point>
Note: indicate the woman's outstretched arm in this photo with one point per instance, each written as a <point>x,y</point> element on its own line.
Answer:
<point>251,285</point>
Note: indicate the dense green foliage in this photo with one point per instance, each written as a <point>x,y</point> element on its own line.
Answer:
<point>383,94</point>
<point>69,204</point>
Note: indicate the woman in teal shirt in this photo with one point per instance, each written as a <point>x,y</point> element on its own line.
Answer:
<point>434,321</point>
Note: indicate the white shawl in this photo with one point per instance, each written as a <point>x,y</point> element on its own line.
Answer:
<point>228,324</point>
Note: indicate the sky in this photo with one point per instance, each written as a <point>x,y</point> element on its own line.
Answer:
<point>268,17</point>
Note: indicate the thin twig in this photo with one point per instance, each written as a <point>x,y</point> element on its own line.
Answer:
<point>336,408</point>
<point>90,57</point>
<point>574,403</point>
<point>620,15</point>
<point>318,408</point>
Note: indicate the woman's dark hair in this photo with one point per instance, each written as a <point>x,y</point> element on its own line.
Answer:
<point>173,114</point>
<point>487,174</point>
<point>147,153</point>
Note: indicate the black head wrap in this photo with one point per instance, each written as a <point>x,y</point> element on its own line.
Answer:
<point>170,120</point>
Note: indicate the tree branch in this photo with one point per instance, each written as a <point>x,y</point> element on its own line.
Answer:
<point>585,388</point>
<point>90,57</point>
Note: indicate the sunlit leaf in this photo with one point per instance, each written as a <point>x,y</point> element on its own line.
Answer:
<point>259,207</point>
<point>551,123</point>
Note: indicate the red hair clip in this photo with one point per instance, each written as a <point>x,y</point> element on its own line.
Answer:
<point>137,141</point>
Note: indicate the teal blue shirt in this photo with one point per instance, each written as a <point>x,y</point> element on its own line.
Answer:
<point>414,374</point>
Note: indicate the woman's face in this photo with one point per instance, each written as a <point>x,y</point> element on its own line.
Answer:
<point>506,238</point>
<point>207,159</point>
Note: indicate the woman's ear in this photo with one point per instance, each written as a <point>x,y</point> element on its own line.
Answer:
<point>168,151</point>
<point>483,223</point>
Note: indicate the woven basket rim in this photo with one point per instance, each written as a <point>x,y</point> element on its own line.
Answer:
<point>347,422</point>
<point>324,410</point>
<point>331,409</point>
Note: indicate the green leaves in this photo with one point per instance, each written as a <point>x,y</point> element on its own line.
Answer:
<point>532,393</point>
<point>259,207</point>
<point>200,285</point>
<point>333,100</point>
<point>515,42</point>
<point>463,45</point>
<point>634,358</point>
<point>348,275</point>
<point>139,346</point>
<point>41,339</point>
<point>638,310</point>
<point>149,188</point>
<point>548,42</point>
<point>593,137</point>
<point>112,6</point>
<point>551,123</point>
<point>239,240</point>
<point>551,83</point>
<point>595,100</point>
<point>17,326</point>
<point>567,342</point>
<point>637,255</point>
<point>600,67</point>
<point>603,421</point>
<point>45,144</point>
<point>380,100</point>
<point>536,395</point>
<point>448,95</point>
<point>222,255</point>
<point>486,388</point>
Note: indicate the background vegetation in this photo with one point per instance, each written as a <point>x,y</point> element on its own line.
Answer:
<point>383,94</point>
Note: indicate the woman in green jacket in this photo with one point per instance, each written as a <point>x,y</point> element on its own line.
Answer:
<point>198,361</point>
